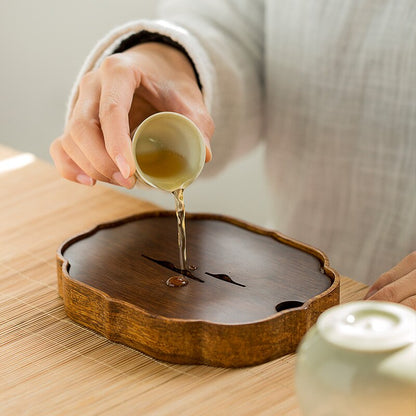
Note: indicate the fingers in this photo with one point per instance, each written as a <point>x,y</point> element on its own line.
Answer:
<point>87,134</point>
<point>397,291</point>
<point>66,166</point>
<point>398,284</point>
<point>79,158</point>
<point>410,302</point>
<point>84,143</point>
<point>80,171</point>
<point>191,104</point>
<point>118,84</point>
<point>405,266</point>
<point>206,125</point>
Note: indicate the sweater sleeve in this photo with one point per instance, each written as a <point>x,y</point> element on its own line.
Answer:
<point>224,40</point>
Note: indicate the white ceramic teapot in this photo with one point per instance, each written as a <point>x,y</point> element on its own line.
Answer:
<point>359,359</point>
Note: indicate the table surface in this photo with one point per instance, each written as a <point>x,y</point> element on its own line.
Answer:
<point>49,365</point>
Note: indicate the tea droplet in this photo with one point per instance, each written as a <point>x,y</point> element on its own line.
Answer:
<point>177,281</point>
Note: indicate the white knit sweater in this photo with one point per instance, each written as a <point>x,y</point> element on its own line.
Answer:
<point>331,89</point>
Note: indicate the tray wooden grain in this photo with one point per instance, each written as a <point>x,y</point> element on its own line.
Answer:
<point>109,283</point>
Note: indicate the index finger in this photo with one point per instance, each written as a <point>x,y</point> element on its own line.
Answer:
<point>118,84</point>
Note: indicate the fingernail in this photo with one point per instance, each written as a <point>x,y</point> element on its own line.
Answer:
<point>208,151</point>
<point>118,178</point>
<point>127,183</point>
<point>123,166</point>
<point>84,179</point>
<point>131,182</point>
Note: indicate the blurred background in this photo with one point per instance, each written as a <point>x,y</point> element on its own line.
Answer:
<point>43,46</point>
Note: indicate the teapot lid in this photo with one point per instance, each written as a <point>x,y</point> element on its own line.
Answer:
<point>368,326</point>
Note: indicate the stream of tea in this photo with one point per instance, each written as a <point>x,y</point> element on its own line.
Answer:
<point>180,280</point>
<point>180,218</point>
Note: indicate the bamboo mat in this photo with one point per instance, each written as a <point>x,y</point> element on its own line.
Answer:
<point>51,366</point>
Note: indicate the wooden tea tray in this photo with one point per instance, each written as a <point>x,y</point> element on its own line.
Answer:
<point>107,284</point>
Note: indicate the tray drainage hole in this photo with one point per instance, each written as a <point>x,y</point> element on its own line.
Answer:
<point>288,304</point>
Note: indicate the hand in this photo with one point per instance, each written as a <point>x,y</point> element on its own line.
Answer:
<point>113,100</point>
<point>398,284</point>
